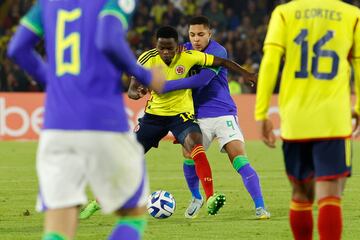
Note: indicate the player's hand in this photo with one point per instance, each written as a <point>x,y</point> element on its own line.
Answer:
<point>356,131</point>
<point>181,48</point>
<point>136,90</point>
<point>142,91</point>
<point>251,78</point>
<point>265,128</point>
<point>158,79</point>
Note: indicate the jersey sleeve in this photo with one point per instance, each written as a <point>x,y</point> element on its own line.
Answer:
<point>121,9</point>
<point>356,62</point>
<point>200,58</point>
<point>274,47</point>
<point>32,20</point>
<point>218,52</point>
<point>276,31</point>
<point>145,59</point>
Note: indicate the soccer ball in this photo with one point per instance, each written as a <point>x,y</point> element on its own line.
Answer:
<point>161,204</point>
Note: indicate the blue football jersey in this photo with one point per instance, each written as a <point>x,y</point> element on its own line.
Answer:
<point>214,99</point>
<point>83,87</point>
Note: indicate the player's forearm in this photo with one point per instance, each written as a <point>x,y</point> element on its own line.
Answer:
<point>21,50</point>
<point>230,65</point>
<point>111,40</point>
<point>356,66</point>
<point>266,83</point>
<point>196,81</point>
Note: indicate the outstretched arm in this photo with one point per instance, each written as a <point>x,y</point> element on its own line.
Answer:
<point>196,81</point>
<point>234,67</point>
<point>21,49</point>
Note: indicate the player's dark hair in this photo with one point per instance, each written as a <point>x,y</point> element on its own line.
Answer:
<point>167,32</point>
<point>200,20</point>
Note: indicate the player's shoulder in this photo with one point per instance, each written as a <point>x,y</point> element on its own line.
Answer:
<point>190,54</point>
<point>285,9</point>
<point>146,56</point>
<point>216,48</point>
<point>352,9</point>
<point>188,45</point>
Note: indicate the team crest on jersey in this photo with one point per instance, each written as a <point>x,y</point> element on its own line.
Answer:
<point>127,6</point>
<point>180,69</point>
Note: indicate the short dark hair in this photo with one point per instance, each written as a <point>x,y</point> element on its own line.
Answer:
<point>200,20</point>
<point>167,32</point>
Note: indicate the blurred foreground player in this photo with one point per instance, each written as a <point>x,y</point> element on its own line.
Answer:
<point>86,137</point>
<point>317,38</point>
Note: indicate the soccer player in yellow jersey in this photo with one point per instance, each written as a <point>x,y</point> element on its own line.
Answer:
<point>317,39</point>
<point>174,111</point>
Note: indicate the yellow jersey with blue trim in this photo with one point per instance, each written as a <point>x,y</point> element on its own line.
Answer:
<point>317,38</point>
<point>175,102</point>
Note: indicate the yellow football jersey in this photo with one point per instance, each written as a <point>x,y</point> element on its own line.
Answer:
<point>175,102</point>
<point>317,37</point>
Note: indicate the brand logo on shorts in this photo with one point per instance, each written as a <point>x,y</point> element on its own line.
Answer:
<point>180,69</point>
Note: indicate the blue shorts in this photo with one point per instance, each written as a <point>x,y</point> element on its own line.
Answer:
<point>152,128</point>
<point>319,160</point>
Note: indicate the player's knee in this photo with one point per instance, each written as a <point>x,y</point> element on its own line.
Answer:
<point>333,187</point>
<point>303,191</point>
<point>186,154</point>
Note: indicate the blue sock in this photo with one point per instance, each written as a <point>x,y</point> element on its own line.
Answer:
<point>250,179</point>
<point>129,228</point>
<point>191,178</point>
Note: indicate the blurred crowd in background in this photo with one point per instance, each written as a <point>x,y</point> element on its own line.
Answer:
<point>239,25</point>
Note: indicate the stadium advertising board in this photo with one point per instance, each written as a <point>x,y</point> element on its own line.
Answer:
<point>21,115</point>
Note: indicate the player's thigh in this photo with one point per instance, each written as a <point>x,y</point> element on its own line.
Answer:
<point>150,130</point>
<point>61,167</point>
<point>186,131</point>
<point>300,169</point>
<point>207,130</point>
<point>117,172</point>
<point>298,159</point>
<point>228,130</point>
<point>330,188</point>
<point>332,159</point>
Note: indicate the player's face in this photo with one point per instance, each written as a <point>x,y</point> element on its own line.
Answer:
<point>199,36</point>
<point>167,49</point>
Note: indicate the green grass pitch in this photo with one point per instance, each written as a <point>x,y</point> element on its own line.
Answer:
<point>18,189</point>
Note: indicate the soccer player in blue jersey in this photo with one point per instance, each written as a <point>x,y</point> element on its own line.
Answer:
<point>217,116</point>
<point>317,38</point>
<point>86,137</point>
